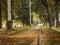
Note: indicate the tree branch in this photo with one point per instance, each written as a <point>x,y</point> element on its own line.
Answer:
<point>44,2</point>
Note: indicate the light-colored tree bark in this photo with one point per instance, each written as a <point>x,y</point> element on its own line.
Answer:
<point>30,10</point>
<point>9,21</point>
<point>0,13</point>
<point>57,12</point>
<point>9,9</point>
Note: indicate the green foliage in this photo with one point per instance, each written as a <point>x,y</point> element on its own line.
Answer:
<point>20,10</point>
<point>4,9</point>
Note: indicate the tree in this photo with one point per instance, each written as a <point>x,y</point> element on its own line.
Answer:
<point>0,13</point>
<point>46,6</point>
<point>22,11</point>
<point>9,21</point>
<point>57,12</point>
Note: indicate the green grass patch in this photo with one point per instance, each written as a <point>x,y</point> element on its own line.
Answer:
<point>14,29</point>
<point>45,27</point>
<point>56,28</point>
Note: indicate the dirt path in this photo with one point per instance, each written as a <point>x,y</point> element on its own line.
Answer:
<point>30,37</point>
<point>50,37</point>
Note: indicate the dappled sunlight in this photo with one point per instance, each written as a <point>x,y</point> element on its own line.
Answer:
<point>26,37</point>
<point>30,37</point>
<point>23,35</point>
<point>29,22</point>
<point>16,41</point>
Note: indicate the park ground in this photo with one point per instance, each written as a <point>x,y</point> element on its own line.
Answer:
<point>31,36</point>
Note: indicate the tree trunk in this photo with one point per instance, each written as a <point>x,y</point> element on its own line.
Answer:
<point>30,11</point>
<point>45,4</point>
<point>9,24</point>
<point>57,12</point>
<point>23,23</point>
<point>49,20</point>
<point>0,15</point>
<point>9,21</point>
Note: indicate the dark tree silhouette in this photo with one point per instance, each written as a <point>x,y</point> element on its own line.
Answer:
<point>0,13</point>
<point>45,4</point>
<point>57,12</point>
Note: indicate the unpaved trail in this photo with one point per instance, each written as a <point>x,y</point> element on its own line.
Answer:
<point>27,37</point>
<point>32,32</point>
<point>50,37</point>
<point>33,36</point>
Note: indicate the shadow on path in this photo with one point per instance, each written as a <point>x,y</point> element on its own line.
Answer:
<point>16,41</point>
<point>50,37</point>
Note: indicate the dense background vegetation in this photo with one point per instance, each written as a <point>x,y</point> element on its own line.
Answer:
<point>43,10</point>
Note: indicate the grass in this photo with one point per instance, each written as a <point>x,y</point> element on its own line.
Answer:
<point>6,31</point>
<point>47,27</point>
<point>14,30</point>
<point>44,27</point>
<point>56,28</point>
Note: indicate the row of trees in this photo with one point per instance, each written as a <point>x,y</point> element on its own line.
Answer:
<point>51,11</point>
<point>48,11</point>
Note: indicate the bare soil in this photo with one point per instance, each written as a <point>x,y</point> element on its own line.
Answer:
<point>30,37</point>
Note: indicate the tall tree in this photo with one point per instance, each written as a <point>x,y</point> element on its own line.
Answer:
<point>57,12</point>
<point>0,13</point>
<point>9,21</point>
<point>44,2</point>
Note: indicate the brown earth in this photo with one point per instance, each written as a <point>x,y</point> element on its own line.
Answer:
<point>32,36</point>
